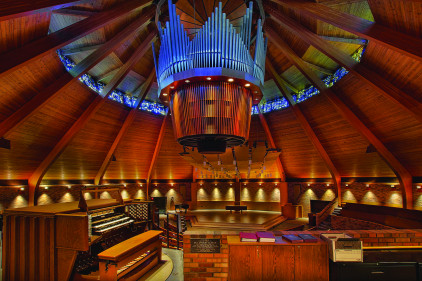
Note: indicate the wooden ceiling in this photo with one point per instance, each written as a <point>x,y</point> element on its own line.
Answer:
<point>396,128</point>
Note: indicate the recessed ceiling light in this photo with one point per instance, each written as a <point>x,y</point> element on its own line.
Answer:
<point>247,85</point>
<point>230,80</point>
<point>256,98</point>
<point>208,78</point>
<point>171,87</point>
<point>165,94</point>
<point>187,81</point>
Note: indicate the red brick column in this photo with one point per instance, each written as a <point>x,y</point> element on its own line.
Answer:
<point>205,267</point>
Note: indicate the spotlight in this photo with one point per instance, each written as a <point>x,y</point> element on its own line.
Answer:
<point>418,187</point>
<point>171,87</point>
<point>392,185</point>
<point>347,184</point>
<point>247,85</point>
<point>208,78</point>
<point>187,81</point>
<point>46,188</point>
<point>328,184</point>
<point>22,188</point>
<point>309,184</point>
<point>230,80</point>
<point>165,94</point>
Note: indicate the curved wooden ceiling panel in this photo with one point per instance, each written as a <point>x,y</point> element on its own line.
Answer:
<point>83,156</point>
<point>134,152</point>
<point>298,156</point>
<point>345,146</point>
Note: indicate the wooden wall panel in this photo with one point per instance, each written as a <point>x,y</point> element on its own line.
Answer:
<point>23,84</point>
<point>299,157</point>
<point>83,156</point>
<point>134,153</point>
<point>17,32</point>
<point>169,164</point>
<point>345,146</point>
<point>401,15</point>
<point>401,70</point>
<point>397,129</point>
<point>32,140</point>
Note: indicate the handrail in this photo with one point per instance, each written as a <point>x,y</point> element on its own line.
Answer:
<point>321,216</point>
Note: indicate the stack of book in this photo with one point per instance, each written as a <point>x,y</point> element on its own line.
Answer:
<point>248,237</point>
<point>265,236</point>
<point>293,238</point>
<point>308,238</point>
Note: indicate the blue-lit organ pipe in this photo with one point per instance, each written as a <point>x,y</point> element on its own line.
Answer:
<point>216,44</point>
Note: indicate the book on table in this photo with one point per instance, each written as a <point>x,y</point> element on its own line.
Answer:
<point>265,236</point>
<point>308,238</point>
<point>248,237</point>
<point>293,238</point>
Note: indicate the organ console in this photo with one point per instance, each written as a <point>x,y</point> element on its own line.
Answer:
<point>63,241</point>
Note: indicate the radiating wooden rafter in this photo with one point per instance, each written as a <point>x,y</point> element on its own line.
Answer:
<point>77,50</point>
<point>307,128</point>
<point>31,107</point>
<point>19,8</point>
<point>156,152</point>
<point>382,85</point>
<point>36,177</point>
<point>146,86</point>
<point>38,48</point>
<point>270,139</point>
<point>401,172</point>
<point>400,42</point>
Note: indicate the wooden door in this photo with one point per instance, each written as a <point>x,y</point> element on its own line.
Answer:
<point>311,263</point>
<point>245,263</point>
<point>278,263</point>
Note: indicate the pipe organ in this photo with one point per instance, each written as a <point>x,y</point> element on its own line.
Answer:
<point>211,80</point>
<point>63,241</point>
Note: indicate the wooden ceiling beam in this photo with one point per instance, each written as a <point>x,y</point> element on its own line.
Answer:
<point>107,74</point>
<point>31,107</point>
<point>319,68</point>
<point>270,139</point>
<point>10,9</point>
<point>400,42</point>
<point>355,41</point>
<point>77,50</point>
<point>401,172</point>
<point>365,74</point>
<point>307,128</point>
<point>14,59</point>
<point>156,152</point>
<point>36,177</point>
<point>126,124</point>
<point>74,13</point>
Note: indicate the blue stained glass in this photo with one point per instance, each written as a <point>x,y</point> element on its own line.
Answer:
<point>329,81</point>
<point>116,95</point>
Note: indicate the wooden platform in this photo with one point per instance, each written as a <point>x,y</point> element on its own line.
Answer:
<point>248,220</point>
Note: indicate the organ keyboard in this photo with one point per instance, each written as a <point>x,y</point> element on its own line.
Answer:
<point>62,241</point>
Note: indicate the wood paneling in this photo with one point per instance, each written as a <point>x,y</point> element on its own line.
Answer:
<point>278,263</point>
<point>135,151</point>
<point>400,133</point>
<point>32,140</point>
<point>346,147</point>
<point>300,158</point>
<point>245,263</point>
<point>169,164</point>
<point>83,156</point>
<point>306,267</point>
<point>25,29</point>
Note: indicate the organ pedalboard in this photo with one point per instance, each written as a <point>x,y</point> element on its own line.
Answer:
<point>77,233</point>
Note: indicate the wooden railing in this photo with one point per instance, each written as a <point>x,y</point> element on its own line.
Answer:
<point>323,215</point>
<point>132,258</point>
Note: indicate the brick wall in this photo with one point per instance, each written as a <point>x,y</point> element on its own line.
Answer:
<point>215,267</point>
<point>307,192</point>
<point>205,267</point>
<point>340,222</point>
